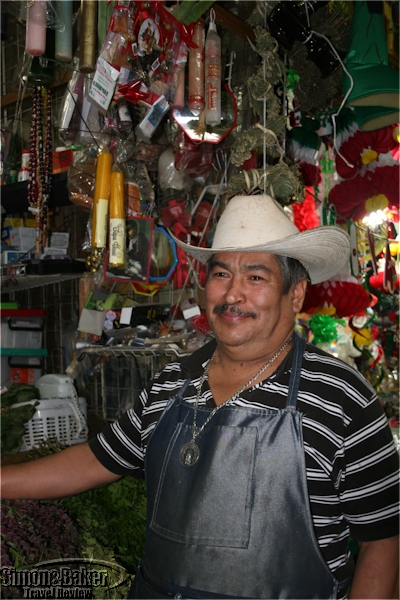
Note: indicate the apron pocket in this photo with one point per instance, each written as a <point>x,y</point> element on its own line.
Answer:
<point>208,503</point>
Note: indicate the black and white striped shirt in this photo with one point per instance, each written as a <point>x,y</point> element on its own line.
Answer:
<point>351,460</point>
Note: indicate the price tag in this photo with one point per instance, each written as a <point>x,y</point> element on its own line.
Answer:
<point>103,86</point>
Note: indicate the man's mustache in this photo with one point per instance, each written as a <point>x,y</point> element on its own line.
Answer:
<point>221,308</point>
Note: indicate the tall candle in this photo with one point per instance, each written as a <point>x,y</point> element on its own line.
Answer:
<point>196,70</point>
<point>116,257</point>
<point>101,199</point>
<point>35,41</point>
<point>88,36</point>
<point>64,38</point>
<point>213,75</point>
<point>179,97</point>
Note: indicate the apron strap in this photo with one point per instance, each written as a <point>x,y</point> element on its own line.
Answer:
<point>296,372</point>
<point>174,400</point>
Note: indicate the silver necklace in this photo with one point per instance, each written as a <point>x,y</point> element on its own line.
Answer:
<point>190,452</point>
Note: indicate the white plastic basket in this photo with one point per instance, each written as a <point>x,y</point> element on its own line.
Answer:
<point>55,418</point>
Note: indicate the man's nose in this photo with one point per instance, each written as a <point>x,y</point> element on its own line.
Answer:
<point>235,291</point>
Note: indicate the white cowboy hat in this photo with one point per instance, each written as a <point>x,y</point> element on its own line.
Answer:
<point>259,224</point>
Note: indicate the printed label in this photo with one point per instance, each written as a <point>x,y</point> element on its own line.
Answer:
<point>100,233</point>
<point>117,243</point>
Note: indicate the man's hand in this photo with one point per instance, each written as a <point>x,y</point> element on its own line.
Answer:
<point>377,570</point>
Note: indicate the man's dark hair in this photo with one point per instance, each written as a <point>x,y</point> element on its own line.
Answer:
<point>291,270</point>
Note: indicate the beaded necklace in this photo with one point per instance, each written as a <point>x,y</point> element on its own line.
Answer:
<point>40,162</point>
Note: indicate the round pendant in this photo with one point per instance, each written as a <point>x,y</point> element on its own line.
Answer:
<point>189,454</point>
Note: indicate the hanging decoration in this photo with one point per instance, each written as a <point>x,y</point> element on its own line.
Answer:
<point>297,27</point>
<point>370,81</point>
<point>305,214</point>
<point>40,163</point>
<point>305,148</point>
<point>264,101</point>
<point>341,297</point>
<point>281,181</point>
<point>368,166</point>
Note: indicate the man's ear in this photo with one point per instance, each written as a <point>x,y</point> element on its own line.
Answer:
<point>298,295</point>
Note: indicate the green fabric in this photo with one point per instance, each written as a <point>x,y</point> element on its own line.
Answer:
<point>371,118</point>
<point>305,138</point>
<point>375,83</point>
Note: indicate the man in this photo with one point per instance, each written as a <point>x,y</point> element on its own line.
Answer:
<point>262,452</point>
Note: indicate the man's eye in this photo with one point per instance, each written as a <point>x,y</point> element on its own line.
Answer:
<point>219,274</point>
<point>256,277</point>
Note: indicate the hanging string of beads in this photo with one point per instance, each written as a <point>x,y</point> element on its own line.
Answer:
<point>40,164</point>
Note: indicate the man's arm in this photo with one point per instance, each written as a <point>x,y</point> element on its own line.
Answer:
<point>377,570</point>
<point>69,472</point>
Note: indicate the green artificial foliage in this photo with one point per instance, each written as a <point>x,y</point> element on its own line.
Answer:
<point>324,328</point>
<point>189,11</point>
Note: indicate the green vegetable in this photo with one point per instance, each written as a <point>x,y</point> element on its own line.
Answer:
<point>19,392</point>
<point>116,516</point>
<point>12,426</point>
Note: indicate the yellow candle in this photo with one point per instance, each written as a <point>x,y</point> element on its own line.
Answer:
<point>101,199</point>
<point>116,256</point>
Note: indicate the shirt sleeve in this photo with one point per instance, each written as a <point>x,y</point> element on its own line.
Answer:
<point>121,445</point>
<point>119,448</point>
<point>369,490</point>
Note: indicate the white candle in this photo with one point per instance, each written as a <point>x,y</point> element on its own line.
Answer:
<point>35,43</point>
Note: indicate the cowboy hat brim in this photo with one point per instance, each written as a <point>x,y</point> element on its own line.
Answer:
<point>323,251</point>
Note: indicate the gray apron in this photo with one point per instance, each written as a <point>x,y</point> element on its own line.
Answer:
<point>237,523</point>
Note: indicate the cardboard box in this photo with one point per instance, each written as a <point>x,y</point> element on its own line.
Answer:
<point>59,239</point>
<point>9,257</point>
<point>14,223</point>
<point>24,238</point>
<point>61,161</point>
<point>6,235</point>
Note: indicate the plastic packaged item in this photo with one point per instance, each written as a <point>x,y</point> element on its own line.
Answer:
<point>117,45</point>
<point>69,117</point>
<point>157,50</point>
<point>124,118</point>
<point>23,174</point>
<point>132,196</point>
<point>81,177</point>
<point>169,176</point>
<point>25,159</point>
<point>213,74</point>
<point>196,70</point>
<point>193,159</point>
